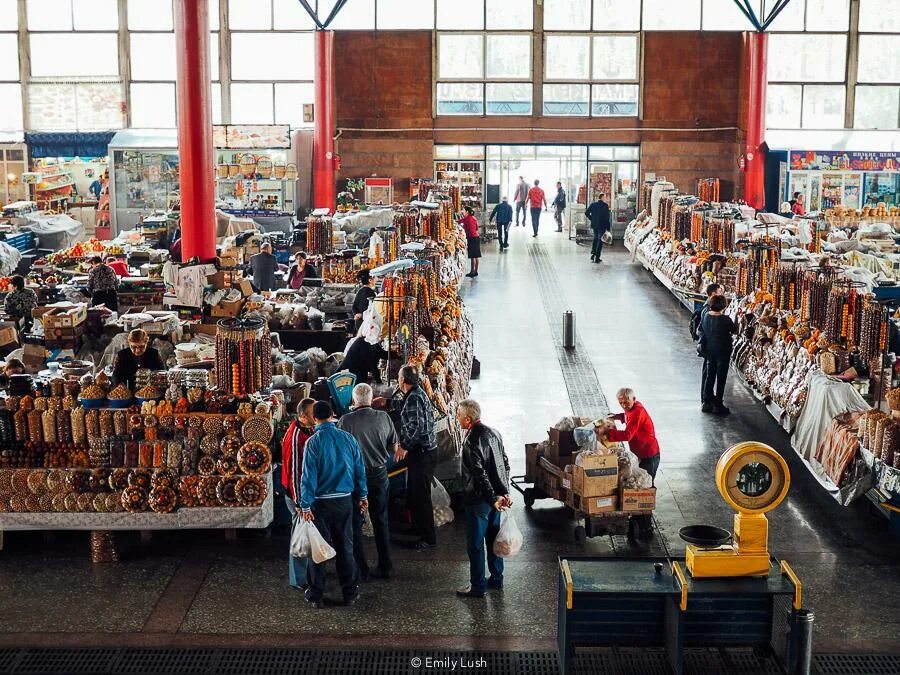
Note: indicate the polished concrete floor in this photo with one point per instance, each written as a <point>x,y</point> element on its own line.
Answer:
<point>191,589</point>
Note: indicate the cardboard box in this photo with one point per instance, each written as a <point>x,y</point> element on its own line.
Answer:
<point>65,333</point>
<point>532,453</point>
<point>219,280</point>
<point>226,309</point>
<point>550,467</point>
<point>8,333</point>
<point>567,482</point>
<point>34,351</point>
<point>548,483</point>
<point>245,287</point>
<point>570,499</point>
<point>598,476</point>
<point>637,500</point>
<point>61,315</point>
<point>593,505</point>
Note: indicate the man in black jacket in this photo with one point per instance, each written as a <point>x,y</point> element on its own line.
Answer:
<point>485,494</point>
<point>559,205</point>
<point>599,217</point>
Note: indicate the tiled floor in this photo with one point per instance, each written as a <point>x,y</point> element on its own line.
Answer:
<point>191,589</point>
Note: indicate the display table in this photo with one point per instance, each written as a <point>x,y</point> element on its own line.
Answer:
<point>363,220</point>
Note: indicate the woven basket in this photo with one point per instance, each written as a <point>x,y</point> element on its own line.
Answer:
<point>264,167</point>
<point>222,171</point>
<point>233,170</point>
<point>248,164</point>
<point>278,171</point>
<point>290,171</point>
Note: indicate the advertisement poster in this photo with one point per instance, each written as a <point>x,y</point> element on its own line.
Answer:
<point>827,160</point>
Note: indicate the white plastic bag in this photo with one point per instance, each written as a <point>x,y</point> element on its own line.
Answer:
<point>509,539</point>
<point>440,502</point>
<point>308,542</point>
<point>300,539</point>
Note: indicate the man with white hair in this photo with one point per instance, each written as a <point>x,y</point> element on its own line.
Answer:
<point>485,494</point>
<point>377,438</point>
<point>641,437</point>
<point>262,267</point>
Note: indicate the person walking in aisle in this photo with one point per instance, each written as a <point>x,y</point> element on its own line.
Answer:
<point>716,331</point>
<point>374,431</point>
<point>504,214</point>
<point>298,432</point>
<point>333,476</point>
<point>599,217</point>
<point>520,197</point>
<point>559,205</point>
<point>536,198</point>
<point>695,325</point>
<point>473,242</point>
<point>485,470</point>
<point>418,446</point>
<point>640,435</point>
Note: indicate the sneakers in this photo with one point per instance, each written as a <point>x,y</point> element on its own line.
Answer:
<point>467,592</point>
<point>318,603</point>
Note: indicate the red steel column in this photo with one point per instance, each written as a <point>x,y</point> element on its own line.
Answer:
<point>755,53</point>
<point>195,133</point>
<point>323,133</point>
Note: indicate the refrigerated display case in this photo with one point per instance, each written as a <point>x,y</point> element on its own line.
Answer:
<point>826,189</point>
<point>882,186</point>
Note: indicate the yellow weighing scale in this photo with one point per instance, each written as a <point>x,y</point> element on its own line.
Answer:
<point>752,479</point>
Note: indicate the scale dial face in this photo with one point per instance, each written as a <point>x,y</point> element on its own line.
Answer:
<point>752,477</point>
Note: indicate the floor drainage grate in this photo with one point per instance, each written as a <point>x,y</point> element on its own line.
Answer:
<point>856,664</point>
<point>81,661</point>
<point>264,662</point>
<point>164,661</point>
<point>582,383</point>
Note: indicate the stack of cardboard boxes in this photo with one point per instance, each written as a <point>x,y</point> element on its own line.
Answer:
<point>587,482</point>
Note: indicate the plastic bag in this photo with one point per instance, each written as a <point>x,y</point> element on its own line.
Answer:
<point>509,539</point>
<point>300,539</point>
<point>440,502</point>
<point>308,542</point>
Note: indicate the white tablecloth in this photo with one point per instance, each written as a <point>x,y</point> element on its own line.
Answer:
<point>828,397</point>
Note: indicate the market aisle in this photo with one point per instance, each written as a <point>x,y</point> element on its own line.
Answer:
<point>635,334</point>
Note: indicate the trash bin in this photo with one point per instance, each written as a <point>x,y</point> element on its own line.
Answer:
<point>569,329</point>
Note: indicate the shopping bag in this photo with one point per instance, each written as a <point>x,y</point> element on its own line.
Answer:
<point>308,542</point>
<point>300,538</point>
<point>321,549</point>
<point>509,539</point>
<point>607,238</point>
<point>440,502</point>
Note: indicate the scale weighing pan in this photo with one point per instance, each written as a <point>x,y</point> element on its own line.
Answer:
<point>707,536</point>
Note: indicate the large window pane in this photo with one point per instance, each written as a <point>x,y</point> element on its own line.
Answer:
<point>9,57</point>
<point>290,15</point>
<point>153,105</point>
<point>827,15</point>
<point>10,107</point>
<point>617,15</point>
<point>724,15</point>
<point>664,15</point>
<point>216,102</point>
<point>399,14</point>
<point>879,16</point>
<point>460,14</point>
<point>811,58</point>
<point>356,15</point>
<point>615,57</point>
<point>149,15</point>
<point>252,104</point>
<point>74,54</point>
<point>509,14</point>
<point>460,56</point>
<point>614,100</point>
<point>877,108</point>
<point>460,98</point>
<point>567,99</point>
<point>9,15</point>
<point>879,58</point>
<point>289,56</point>
<point>823,106</point>
<point>49,14</point>
<point>508,98</point>
<point>95,14</point>
<point>250,14</point>
<point>51,107</point>
<point>783,106</point>
<point>567,14</point>
<point>99,106</point>
<point>153,56</point>
<point>289,100</point>
<point>567,57</point>
<point>509,56</point>
<point>213,14</point>
<point>790,18</point>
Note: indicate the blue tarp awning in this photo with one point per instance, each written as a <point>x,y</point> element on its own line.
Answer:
<point>68,143</point>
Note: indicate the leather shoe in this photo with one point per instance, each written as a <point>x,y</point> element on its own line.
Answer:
<point>706,407</point>
<point>318,603</point>
<point>495,585</point>
<point>422,546</point>
<point>349,602</point>
<point>721,410</point>
<point>467,592</point>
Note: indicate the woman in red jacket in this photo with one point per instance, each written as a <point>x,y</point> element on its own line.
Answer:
<point>473,241</point>
<point>641,437</point>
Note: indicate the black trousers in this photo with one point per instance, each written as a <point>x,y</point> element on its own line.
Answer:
<point>520,208</point>
<point>503,233</point>
<point>334,519</point>
<point>378,485</point>
<point>597,247</point>
<point>535,218</point>
<point>419,476</point>
<point>108,298</point>
<point>715,376</point>
<point>650,465</point>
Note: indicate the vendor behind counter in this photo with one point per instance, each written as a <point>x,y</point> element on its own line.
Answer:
<point>138,355</point>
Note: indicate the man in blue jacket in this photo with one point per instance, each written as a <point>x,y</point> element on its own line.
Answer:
<point>598,216</point>
<point>504,214</point>
<point>333,476</point>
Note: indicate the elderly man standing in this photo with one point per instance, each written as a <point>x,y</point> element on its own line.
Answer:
<point>418,446</point>
<point>641,437</point>
<point>333,474</point>
<point>374,431</point>
<point>263,266</point>
<point>486,493</point>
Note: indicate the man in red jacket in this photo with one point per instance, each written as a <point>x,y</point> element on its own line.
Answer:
<point>292,446</point>
<point>641,438</point>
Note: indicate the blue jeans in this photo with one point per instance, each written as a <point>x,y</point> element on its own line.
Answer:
<point>334,519</point>
<point>379,492</point>
<point>482,526</point>
<point>535,218</point>
<point>520,208</point>
<point>296,566</point>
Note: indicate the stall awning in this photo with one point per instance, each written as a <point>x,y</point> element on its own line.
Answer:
<point>67,143</point>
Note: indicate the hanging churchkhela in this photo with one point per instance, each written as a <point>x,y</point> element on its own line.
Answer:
<point>319,235</point>
<point>243,356</point>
